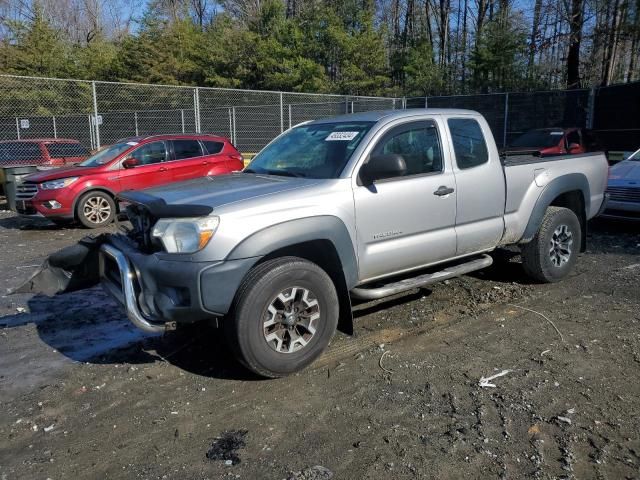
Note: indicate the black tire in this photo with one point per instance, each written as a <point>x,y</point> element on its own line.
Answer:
<point>245,326</point>
<point>95,218</point>
<point>546,258</point>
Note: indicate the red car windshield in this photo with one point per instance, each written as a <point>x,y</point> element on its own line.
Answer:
<point>105,155</point>
<point>538,139</point>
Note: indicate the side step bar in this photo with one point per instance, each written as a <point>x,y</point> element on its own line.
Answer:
<point>421,280</point>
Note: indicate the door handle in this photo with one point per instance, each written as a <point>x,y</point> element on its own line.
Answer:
<point>162,169</point>
<point>442,191</point>
<point>204,162</point>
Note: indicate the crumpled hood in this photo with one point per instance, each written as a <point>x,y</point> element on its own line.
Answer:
<point>224,189</point>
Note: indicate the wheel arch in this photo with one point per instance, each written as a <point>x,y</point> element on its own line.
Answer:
<point>569,191</point>
<point>322,240</point>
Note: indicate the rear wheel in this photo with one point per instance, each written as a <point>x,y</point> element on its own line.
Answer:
<point>550,256</point>
<point>284,316</point>
<point>96,209</point>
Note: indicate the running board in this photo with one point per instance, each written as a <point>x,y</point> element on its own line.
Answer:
<point>422,280</point>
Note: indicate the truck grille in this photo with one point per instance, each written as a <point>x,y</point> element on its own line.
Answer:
<point>624,194</point>
<point>26,191</point>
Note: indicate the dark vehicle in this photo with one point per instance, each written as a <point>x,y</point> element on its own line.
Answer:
<point>21,157</point>
<point>555,141</point>
<point>86,192</point>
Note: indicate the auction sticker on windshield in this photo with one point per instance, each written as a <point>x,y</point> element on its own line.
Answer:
<point>341,136</point>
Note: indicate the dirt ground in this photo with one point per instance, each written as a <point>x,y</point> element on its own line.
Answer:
<point>85,395</point>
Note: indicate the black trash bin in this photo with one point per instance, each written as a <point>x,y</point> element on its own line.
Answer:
<point>12,178</point>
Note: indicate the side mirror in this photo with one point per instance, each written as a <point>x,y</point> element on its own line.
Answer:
<point>383,166</point>
<point>574,147</point>
<point>130,162</point>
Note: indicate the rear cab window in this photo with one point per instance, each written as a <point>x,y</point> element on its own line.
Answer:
<point>20,152</point>
<point>183,149</point>
<point>62,150</point>
<point>469,144</point>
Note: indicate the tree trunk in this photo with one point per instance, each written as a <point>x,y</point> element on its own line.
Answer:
<point>575,37</point>
<point>535,31</point>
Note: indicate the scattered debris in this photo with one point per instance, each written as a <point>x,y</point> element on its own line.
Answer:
<point>317,472</point>
<point>49,428</point>
<point>226,446</point>
<point>543,316</point>
<point>486,382</point>
<point>21,309</point>
<point>380,362</point>
<point>564,420</point>
<point>544,353</point>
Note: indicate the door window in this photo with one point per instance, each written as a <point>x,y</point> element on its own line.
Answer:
<point>573,137</point>
<point>419,145</point>
<point>153,152</point>
<point>212,147</point>
<point>468,142</point>
<point>186,149</point>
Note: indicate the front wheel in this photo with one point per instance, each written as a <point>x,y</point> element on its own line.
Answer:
<point>550,256</point>
<point>96,209</point>
<point>284,316</point>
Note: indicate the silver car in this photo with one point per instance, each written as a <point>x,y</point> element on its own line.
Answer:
<point>624,189</point>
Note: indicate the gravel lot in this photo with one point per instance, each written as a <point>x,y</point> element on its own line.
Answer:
<point>83,394</point>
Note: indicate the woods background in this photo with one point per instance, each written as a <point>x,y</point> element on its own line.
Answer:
<point>360,47</point>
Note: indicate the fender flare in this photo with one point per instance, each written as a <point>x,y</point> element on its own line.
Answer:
<point>302,230</point>
<point>555,188</point>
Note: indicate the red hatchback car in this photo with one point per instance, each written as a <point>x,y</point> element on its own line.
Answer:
<point>86,192</point>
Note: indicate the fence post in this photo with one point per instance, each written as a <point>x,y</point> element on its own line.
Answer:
<point>196,108</point>
<point>404,103</point>
<point>233,131</point>
<point>281,115</point>
<point>289,115</point>
<point>346,104</point>
<point>182,118</point>
<point>351,106</point>
<point>591,104</point>
<point>18,127</point>
<point>135,121</point>
<point>55,130</point>
<point>506,119</point>
<point>230,126</point>
<point>91,139</point>
<point>426,102</point>
<point>95,114</point>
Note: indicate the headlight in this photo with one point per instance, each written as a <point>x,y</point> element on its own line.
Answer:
<point>59,183</point>
<point>185,235</point>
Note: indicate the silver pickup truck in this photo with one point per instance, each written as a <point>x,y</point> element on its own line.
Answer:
<point>359,206</point>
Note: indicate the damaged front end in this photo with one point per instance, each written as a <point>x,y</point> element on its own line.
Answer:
<point>115,260</point>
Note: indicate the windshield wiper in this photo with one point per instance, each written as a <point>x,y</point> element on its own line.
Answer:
<point>282,173</point>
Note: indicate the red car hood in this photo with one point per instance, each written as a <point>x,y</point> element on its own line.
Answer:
<point>64,172</point>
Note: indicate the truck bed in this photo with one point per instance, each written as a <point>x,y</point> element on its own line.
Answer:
<point>523,193</point>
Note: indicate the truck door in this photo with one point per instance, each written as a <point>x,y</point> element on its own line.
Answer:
<point>407,222</point>
<point>480,184</point>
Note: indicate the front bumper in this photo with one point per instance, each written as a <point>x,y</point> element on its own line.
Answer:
<point>158,293</point>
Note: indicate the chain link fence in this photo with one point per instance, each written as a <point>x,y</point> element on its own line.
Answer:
<point>100,113</point>
<point>612,113</point>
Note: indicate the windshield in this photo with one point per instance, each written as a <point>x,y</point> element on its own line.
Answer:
<point>311,151</point>
<point>538,139</point>
<point>105,155</point>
